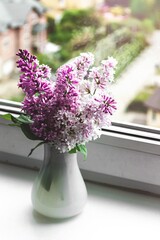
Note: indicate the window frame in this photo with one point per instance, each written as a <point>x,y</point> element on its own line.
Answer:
<point>126,155</point>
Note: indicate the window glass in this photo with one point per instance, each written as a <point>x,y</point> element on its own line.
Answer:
<point>57,30</point>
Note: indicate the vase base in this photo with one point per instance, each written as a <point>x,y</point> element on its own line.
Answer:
<point>59,214</point>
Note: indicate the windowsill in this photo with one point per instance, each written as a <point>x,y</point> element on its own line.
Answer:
<point>110,213</point>
<point>118,159</point>
<point>125,155</point>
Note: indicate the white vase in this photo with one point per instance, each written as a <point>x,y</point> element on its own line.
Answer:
<point>59,190</point>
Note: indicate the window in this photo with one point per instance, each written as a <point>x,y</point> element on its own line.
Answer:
<point>105,28</point>
<point>128,153</point>
<point>34,18</point>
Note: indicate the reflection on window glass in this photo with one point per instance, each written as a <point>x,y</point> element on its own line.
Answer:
<point>58,30</point>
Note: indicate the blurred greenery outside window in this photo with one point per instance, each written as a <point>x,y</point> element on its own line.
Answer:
<point>113,28</point>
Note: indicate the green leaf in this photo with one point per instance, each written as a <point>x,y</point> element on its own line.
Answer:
<point>10,117</point>
<point>82,148</point>
<point>6,116</point>
<point>15,120</point>
<point>39,144</point>
<point>24,119</point>
<point>27,132</point>
<point>73,150</point>
<point>19,120</point>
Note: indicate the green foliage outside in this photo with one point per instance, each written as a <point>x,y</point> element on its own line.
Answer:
<point>124,44</point>
<point>138,103</point>
<point>112,26</point>
<point>147,26</point>
<point>82,30</point>
<point>128,52</point>
<point>77,32</point>
<point>82,38</point>
<point>72,20</point>
<point>146,9</point>
<point>52,60</point>
<point>144,26</point>
<point>142,8</point>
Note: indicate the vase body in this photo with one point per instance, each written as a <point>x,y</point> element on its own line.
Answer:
<point>59,190</point>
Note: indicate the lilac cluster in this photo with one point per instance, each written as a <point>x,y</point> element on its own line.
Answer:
<point>73,109</point>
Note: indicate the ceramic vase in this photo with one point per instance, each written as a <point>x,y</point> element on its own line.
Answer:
<point>59,190</point>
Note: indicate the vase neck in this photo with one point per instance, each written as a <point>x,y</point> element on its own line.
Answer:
<point>53,155</point>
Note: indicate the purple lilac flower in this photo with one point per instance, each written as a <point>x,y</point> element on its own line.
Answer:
<point>107,104</point>
<point>100,81</point>
<point>108,68</point>
<point>33,75</point>
<point>83,63</point>
<point>74,109</point>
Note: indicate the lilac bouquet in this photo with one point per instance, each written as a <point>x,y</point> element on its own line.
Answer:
<point>70,110</point>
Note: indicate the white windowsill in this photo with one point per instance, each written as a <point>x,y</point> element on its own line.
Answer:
<point>110,213</point>
<point>126,155</point>
<point>115,159</point>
